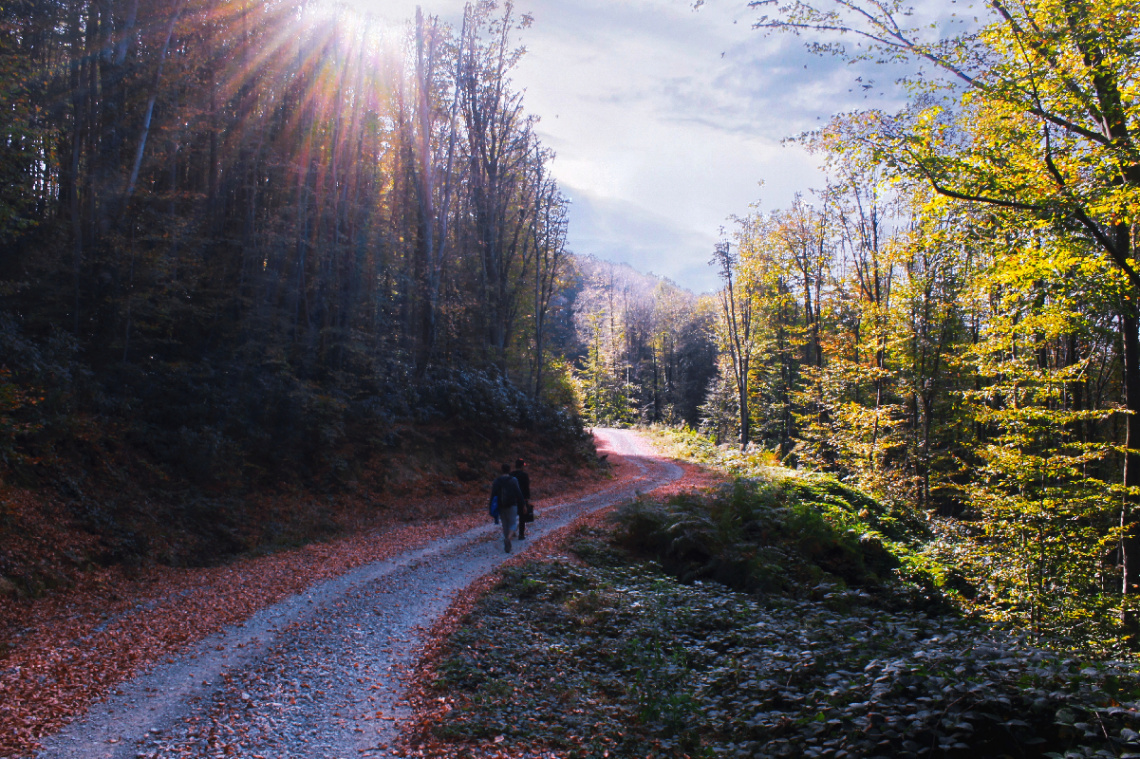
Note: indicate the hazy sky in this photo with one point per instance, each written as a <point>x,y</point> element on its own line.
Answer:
<point>666,120</point>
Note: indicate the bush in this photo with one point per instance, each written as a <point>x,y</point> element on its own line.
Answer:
<point>493,405</point>
<point>771,536</point>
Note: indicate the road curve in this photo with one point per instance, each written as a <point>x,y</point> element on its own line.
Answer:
<point>320,675</point>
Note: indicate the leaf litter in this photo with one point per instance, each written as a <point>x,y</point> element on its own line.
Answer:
<point>73,647</point>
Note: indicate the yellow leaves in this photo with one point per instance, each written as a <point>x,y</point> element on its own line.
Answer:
<point>928,117</point>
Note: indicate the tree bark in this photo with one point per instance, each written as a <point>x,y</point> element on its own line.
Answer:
<point>1130,509</point>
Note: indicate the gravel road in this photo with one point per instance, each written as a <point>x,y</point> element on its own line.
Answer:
<point>320,675</point>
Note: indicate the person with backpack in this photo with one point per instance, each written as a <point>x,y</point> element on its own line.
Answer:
<point>526,508</point>
<point>505,490</point>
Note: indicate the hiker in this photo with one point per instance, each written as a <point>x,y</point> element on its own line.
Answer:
<point>526,508</point>
<point>506,489</point>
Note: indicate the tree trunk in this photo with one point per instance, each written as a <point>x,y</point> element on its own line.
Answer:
<point>745,421</point>
<point>1130,513</point>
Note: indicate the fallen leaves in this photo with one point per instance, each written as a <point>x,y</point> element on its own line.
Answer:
<point>71,648</point>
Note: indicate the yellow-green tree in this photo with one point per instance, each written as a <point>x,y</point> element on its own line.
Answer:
<point>1047,515</point>
<point>1045,129</point>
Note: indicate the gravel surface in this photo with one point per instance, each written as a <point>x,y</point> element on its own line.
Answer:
<point>321,674</point>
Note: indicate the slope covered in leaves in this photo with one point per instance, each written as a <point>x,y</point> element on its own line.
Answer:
<point>72,645</point>
<point>102,492</point>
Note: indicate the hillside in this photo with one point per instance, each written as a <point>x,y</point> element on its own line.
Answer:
<point>237,310</point>
<point>105,499</point>
<point>753,618</point>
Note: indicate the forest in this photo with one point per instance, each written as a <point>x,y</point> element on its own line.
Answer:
<point>950,324</point>
<point>248,243</point>
<point>253,248</point>
<point>280,284</point>
<point>197,195</point>
<point>239,250</point>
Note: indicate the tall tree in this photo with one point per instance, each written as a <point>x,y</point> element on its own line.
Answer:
<point>736,311</point>
<point>498,144</point>
<point>1047,128</point>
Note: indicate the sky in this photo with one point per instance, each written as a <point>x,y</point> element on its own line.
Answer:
<point>666,120</point>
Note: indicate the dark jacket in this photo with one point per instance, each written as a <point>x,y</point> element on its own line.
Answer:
<point>526,511</point>
<point>507,488</point>
<point>524,483</point>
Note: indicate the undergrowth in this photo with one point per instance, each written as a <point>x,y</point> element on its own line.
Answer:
<point>620,658</point>
<point>775,529</point>
<point>945,560</point>
<point>783,614</point>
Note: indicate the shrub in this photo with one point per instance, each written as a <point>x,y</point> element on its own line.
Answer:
<point>770,536</point>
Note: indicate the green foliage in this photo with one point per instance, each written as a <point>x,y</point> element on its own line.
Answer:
<point>559,389</point>
<point>198,437</point>
<point>776,535</point>
<point>825,525</point>
<point>720,412</point>
<point>656,672</point>
<point>1015,250</point>
<point>1045,517</point>
<point>704,448</point>
<point>606,398</point>
<point>615,658</point>
<point>958,363</point>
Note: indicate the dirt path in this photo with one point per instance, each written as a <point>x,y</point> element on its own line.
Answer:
<point>321,674</point>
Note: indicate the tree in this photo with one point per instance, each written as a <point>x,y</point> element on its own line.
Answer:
<point>736,312</point>
<point>272,212</point>
<point>549,233</point>
<point>498,144</point>
<point>937,267</point>
<point>605,395</point>
<point>1045,516</point>
<point>777,323</point>
<point>1046,129</point>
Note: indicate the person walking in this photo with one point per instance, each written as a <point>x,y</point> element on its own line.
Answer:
<point>526,509</point>
<point>506,489</point>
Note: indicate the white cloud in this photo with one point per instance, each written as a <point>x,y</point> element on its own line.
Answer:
<point>618,230</point>
<point>662,135</point>
<point>666,120</point>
